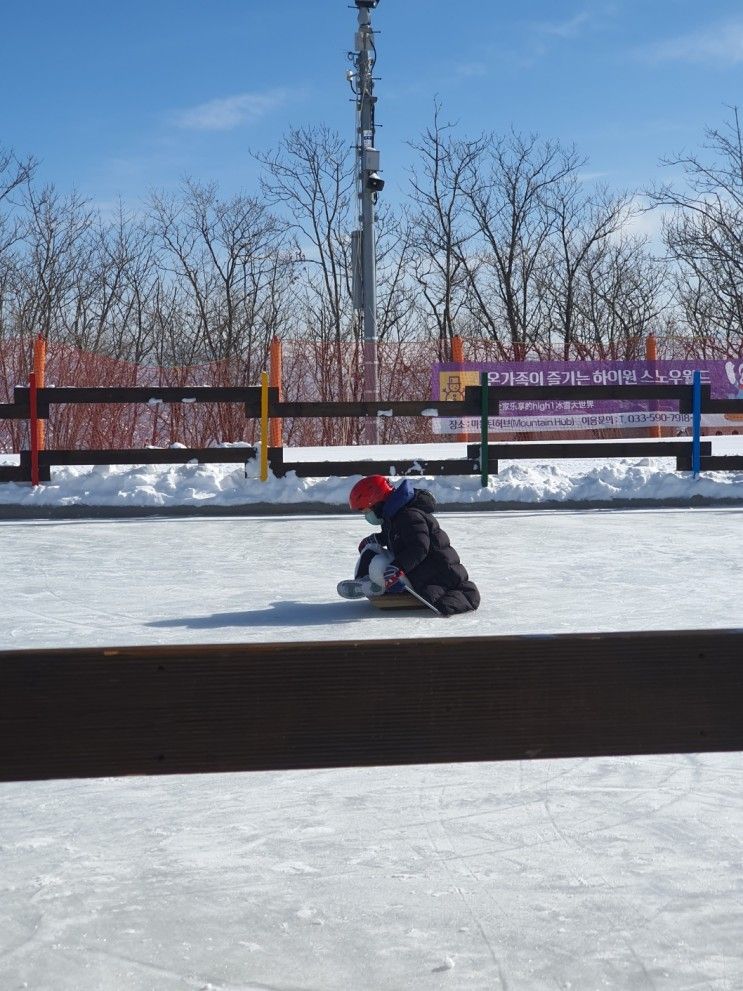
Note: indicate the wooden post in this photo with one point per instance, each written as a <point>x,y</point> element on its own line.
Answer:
<point>264,426</point>
<point>651,354</point>
<point>274,370</point>
<point>40,373</point>
<point>33,428</point>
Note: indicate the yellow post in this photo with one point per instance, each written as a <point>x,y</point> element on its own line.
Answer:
<point>39,370</point>
<point>264,426</point>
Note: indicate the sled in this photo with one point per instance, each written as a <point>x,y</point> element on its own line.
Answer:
<point>403,600</point>
<point>350,588</point>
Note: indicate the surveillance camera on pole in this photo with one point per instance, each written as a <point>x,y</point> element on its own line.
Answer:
<point>369,185</point>
<point>374,182</point>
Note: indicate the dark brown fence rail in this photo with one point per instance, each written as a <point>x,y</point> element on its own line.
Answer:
<point>678,449</point>
<point>249,398</point>
<point>232,707</point>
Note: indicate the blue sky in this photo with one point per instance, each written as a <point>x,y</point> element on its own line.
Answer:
<point>116,99</point>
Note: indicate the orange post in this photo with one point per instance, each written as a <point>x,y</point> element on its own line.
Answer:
<point>274,371</point>
<point>39,373</point>
<point>651,354</point>
<point>457,357</point>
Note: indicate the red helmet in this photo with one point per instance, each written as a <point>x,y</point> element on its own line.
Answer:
<point>369,491</point>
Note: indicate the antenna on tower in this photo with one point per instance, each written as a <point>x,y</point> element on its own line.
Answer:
<point>369,184</point>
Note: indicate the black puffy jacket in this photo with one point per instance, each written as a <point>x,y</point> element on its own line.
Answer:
<point>423,551</point>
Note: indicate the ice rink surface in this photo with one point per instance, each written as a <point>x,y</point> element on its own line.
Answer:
<point>248,579</point>
<point>582,874</point>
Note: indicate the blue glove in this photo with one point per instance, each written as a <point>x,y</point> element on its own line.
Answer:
<point>392,575</point>
<point>371,541</point>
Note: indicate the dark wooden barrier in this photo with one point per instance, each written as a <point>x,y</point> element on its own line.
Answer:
<point>249,397</point>
<point>217,708</point>
<point>391,466</point>
<point>15,473</point>
<point>720,462</point>
<point>15,410</point>
<point>593,450</point>
<point>521,451</point>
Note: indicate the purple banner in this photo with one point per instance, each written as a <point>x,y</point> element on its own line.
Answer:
<point>449,381</point>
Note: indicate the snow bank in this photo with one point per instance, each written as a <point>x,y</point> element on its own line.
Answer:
<point>618,481</point>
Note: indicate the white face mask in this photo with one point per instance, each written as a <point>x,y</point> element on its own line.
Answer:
<point>371,518</point>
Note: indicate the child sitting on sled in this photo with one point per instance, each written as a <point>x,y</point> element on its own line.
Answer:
<point>412,552</point>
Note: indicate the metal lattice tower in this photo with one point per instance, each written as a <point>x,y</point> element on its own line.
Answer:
<point>369,184</point>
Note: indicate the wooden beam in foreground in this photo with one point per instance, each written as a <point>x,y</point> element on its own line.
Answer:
<point>217,708</point>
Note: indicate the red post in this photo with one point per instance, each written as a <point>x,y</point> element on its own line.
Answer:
<point>274,375</point>
<point>34,427</point>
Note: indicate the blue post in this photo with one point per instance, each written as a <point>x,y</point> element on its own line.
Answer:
<point>696,423</point>
<point>484,428</point>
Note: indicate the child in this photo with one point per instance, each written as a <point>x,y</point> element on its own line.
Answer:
<point>417,549</point>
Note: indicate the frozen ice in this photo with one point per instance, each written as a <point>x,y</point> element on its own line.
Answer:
<point>584,874</point>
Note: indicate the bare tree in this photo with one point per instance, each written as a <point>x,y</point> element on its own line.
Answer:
<point>396,304</point>
<point>56,234</point>
<point>704,234</point>
<point>127,275</point>
<point>620,294</point>
<point>232,258</point>
<point>114,258</point>
<point>509,194</point>
<point>310,179</point>
<point>14,174</point>
<point>584,219</point>
<point>441,232</point>
<point>311,176</point>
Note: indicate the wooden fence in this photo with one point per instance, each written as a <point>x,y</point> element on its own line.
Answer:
<point>231,707</point>
<point>35,405</point>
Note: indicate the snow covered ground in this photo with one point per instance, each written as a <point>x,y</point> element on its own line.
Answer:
<point>195,487</point>
<point>582,874</point>
<point>572,874</point>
